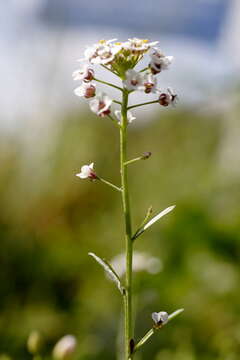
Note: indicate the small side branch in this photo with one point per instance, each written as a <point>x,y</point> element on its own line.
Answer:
<point>105,67</point>
<point>116,123</point>
<point>147,336</point>
<point>145,156</point>
<point>110,184</point>
<point>142,104</point>
<point>117,102</point>
<point>109,84</point>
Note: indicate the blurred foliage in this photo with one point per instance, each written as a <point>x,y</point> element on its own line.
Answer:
<point>50,220</point>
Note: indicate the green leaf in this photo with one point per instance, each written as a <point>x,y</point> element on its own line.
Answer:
<point>110,271</point>
<point>152,221</point>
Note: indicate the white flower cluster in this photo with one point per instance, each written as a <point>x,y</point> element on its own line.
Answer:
<point>121,58</point>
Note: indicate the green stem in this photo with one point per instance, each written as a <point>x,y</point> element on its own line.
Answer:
<point>147,336</point>
<point>133,160</point>
<point>109,84</point>
<point>128,327</point>
<point>116,123</point>
<point>112,71</point>
<point>146,68</point>
<point>109,184</point>
<point>117,102</point>
<point>146,103</point>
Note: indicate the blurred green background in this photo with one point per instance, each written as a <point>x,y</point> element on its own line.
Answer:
<point>50,220</point>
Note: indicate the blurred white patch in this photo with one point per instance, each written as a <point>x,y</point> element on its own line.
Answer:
<point>141,262</point>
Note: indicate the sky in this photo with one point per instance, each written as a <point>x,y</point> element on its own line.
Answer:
<point>40,41</point>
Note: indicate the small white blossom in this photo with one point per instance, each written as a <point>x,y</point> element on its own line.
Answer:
<point>87,172</point>
<point>65,347</point>
<point>168,98</point>
<point>134,80</point>
<point>84,73</point>
<point>160,317</point>
<point>149,83</point>
<point>103,52</point>
<point>87,90</point>
<point>159,61</point>
<point>138,46</point>
<point>130,116</point>
<point>101,104</point>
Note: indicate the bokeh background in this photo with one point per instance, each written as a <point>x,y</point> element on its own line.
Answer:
<point>50,219</point>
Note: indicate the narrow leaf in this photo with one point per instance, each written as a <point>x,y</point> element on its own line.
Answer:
<point>152,221</point>
<point>109,270</point>
<point>148,214</point>
<point>175,313</point>
<point>158,216</point>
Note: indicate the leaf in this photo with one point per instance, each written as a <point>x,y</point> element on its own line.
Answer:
<point>152,221</point>
<point>175,313</point>
<point>109,270</point>
<point>158,216</point>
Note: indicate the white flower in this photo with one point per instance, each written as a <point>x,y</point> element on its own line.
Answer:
<point>130,116</point>
<point>160,317</point>
<point>134,80</point>
<point>86,90</point>
<point>87,172</point>
<point>168,98</point>
<point>65,347</point>
<point>101,104</point>
<point>138,46</point>
<point>103,52</point>
<point>84,73</point>
<point>149,83</point>
<point>159,61</point>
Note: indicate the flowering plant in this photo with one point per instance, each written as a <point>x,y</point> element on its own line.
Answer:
<point>121,60</point>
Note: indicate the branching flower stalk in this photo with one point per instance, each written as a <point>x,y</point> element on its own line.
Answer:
<point>121,60</point>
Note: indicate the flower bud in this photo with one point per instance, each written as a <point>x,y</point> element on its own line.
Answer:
<point>146,155</point>
<point>65,347</point>
<point>168,98</point>
<point>87,90</point>
<point>164,99</point>
<point>160,318</point>
<point>34,342</point>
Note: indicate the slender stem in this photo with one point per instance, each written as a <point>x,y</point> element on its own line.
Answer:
<point>117,102</point>
<point>133,160</point>
<point>146,68</point>
<point>105,67</point>
<point>146,103</point>
<point>109,184</point>
<point>109,84</point>
<point>128,327</point>
<point>154,329</point>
